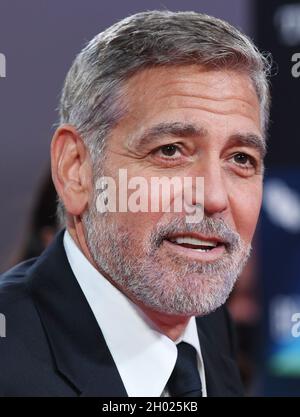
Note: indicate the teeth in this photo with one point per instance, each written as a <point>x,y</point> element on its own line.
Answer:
<point>193,241</point>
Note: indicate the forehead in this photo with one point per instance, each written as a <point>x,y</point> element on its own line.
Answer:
<point>159,91</point>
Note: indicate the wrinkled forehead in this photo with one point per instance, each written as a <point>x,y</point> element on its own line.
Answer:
<point>158,90</point>
<point>217,90</point>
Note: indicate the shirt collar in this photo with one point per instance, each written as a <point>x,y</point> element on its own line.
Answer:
<point>143,356</point>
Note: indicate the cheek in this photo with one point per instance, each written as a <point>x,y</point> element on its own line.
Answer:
<point>245,208</point>
<point>132,202</point>
<point>139,225</point>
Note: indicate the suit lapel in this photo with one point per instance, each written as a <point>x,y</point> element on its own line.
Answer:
<point>78,346</point>
<point>221,372</point>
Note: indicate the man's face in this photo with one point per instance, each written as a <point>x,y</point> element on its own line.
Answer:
<point>183,121</point>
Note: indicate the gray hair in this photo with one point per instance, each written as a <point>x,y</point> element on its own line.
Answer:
<point>92,99</point>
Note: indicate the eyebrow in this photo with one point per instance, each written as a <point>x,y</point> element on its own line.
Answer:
<point>176,129</point>
<point>250,140</point>
<point>183,130</point>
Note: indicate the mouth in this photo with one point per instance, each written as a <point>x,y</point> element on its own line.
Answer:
<point>196,245</point>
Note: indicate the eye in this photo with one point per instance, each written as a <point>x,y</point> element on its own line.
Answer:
<point>168,151</point>
<point>244,160</point>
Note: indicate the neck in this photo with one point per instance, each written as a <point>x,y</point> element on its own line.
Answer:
<point>172,326</point>
<point>75,229</point>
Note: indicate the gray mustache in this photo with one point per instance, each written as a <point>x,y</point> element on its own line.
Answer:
<point>208,226</point>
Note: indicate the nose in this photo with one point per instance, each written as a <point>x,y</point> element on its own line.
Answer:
<point>215,194</point>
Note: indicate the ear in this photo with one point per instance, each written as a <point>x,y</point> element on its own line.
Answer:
<point>71,169</point>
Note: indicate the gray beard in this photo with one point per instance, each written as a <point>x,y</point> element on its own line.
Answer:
<point>182,287</point>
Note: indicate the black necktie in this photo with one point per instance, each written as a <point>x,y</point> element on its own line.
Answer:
<point>185,379</point>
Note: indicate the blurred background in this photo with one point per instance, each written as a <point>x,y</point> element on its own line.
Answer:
<point>38,41</point>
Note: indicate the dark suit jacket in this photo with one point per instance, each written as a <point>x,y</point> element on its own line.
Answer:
<point>53,345</point>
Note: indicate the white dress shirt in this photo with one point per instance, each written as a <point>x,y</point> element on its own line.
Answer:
<point>144,357</point>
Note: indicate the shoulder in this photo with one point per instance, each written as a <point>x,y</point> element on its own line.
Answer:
<point>24,351</point>
<point>17,308</point>
<point>13,284</point>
